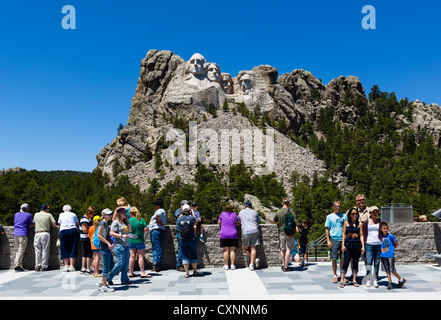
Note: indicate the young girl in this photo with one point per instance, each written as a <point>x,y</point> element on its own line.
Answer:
<point>387,255</point>
<point>95,250</point>
<point>120,230</point>
<point>137,242</point>
<point>106,247</point>
<point>352,245</point>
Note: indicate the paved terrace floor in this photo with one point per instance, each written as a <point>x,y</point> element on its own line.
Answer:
<point>313,283</point>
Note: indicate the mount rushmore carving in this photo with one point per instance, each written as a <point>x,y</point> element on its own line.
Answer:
<point>170,88</point>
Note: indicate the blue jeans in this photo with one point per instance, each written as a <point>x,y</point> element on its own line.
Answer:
<point>122,263</point>
<point>157,237</point>
<point>108,262</point>
<point>68,243</point>
<point>189,251</point>
<point>373,256</point>
<point>179,258</point>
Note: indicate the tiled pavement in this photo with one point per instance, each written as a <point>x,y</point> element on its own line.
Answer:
<point>313,283</point>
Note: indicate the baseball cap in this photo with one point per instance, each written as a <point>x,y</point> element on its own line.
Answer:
<point>373,208</point>
<point>106,211</point>
<point>248,203</point>
<point>121,210</point>
<point>159,202</point>
<point>44,206</point>
<point>96,218</point>
<point>186,207</point>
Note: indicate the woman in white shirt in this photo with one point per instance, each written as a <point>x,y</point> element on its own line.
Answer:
<point>371,230</point>
<point>68,223</point>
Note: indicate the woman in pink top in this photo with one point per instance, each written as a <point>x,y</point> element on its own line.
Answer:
<point>228,222</point>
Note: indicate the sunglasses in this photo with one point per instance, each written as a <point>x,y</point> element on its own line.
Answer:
<point>361,200</point>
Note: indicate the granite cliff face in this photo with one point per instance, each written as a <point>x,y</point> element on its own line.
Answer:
<point>171,92</point>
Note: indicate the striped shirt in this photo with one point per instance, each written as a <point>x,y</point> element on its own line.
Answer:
<point>249,220</point>
<point>88,223</point>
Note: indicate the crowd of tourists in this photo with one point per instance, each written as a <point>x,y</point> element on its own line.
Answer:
<point>116,238</point>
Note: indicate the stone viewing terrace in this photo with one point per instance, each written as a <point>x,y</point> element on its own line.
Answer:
<point>415,241</point>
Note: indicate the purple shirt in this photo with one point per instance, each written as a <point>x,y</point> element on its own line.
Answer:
<point>228,226</point>
<point>22,221</point>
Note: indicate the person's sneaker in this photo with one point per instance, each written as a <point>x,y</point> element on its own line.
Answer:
<point>83,271</point>
<point>390,286</point>
<point>106,289</point>
<point>233,267</point>
<point>71,269</point>
<point>376,283</point>
<point>202,238</point>
<point>401,283</point>
<point>251,267</point>
<point>37,268</point>
<point>368,283</point>
<point>225,267</point>
<point>99,284</point>
<point>66,269</point>
<point>88,272</point>
<point>257,263</point>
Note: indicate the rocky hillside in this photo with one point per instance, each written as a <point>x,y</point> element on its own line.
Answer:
<point>256,104</point>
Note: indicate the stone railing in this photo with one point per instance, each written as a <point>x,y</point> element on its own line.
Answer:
<point>209,253</point>
<point>416,239</point>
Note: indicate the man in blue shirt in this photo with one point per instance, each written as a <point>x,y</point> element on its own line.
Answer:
<point>22,221</point>
<point>334,234</point>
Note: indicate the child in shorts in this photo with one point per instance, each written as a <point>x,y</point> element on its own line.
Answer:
<point>304,230</point>
<point>387,255</point>
<point>198,224</point>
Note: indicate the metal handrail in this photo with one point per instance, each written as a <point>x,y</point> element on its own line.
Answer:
<point>318,247</point>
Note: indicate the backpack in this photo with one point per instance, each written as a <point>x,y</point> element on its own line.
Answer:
<point>289,224</point>
<point>187,230</point>
<point>95,240</point>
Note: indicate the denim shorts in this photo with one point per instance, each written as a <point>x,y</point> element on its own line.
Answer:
<point>138,246</point>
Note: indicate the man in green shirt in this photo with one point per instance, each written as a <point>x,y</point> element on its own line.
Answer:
<point>286,241</point>
<point>43,222</point>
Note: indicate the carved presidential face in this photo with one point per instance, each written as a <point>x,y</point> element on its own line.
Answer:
<point>213,72</point>
<point>246,83</point>
<point>196,64</point>
<point>227,83</point>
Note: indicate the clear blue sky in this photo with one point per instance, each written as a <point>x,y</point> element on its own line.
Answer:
<point>63,93</point>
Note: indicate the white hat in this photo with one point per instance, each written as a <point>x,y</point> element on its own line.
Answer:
<point>373,208</point>
<point>106,211</point>
<point>186,207</point>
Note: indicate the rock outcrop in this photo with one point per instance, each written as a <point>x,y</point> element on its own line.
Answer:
<point>173,91</point>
